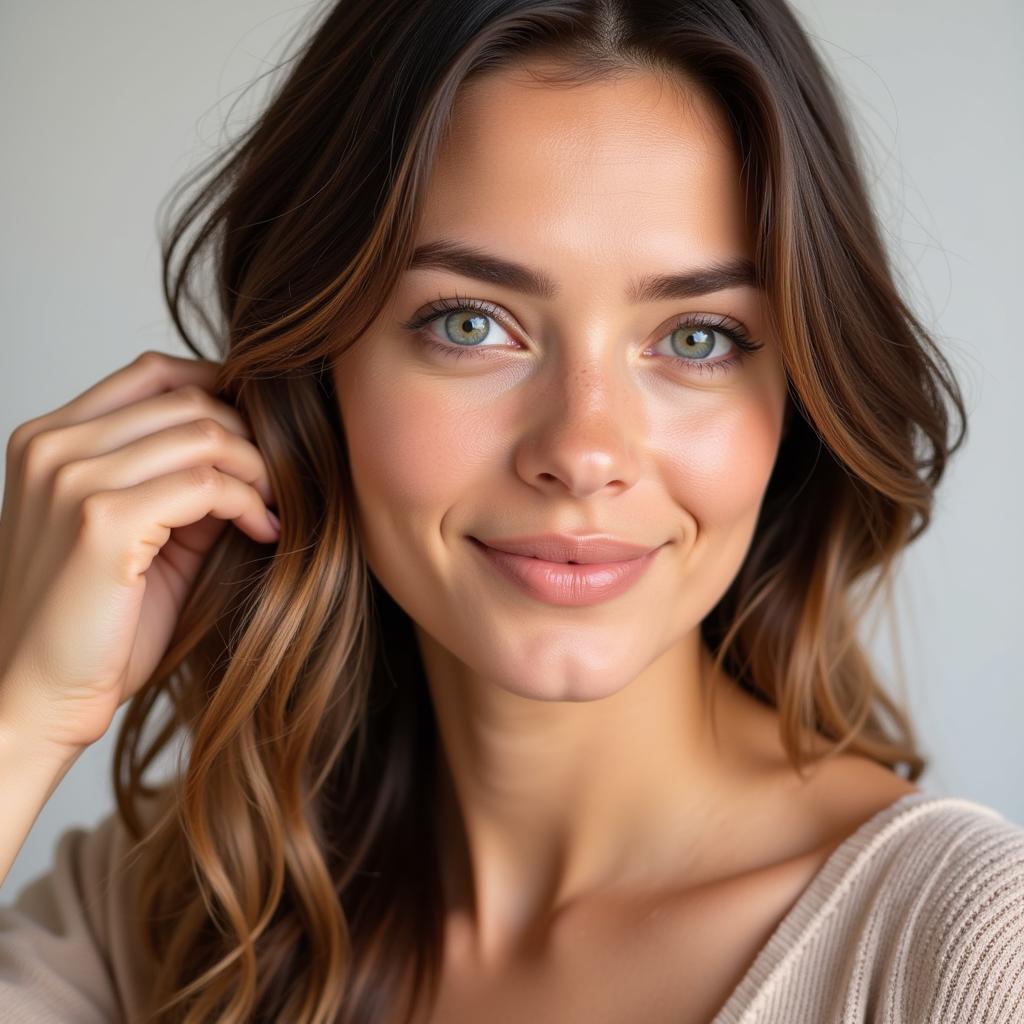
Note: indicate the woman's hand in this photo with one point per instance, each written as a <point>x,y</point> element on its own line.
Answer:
<point>111,503</point>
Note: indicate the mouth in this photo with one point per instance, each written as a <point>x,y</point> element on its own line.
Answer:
<point>570,549</point>
<point>568,582</point>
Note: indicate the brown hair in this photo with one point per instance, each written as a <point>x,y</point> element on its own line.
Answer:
<point>294,874</point>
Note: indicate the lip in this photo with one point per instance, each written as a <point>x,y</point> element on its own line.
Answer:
<point>560,583</point>
<point>566,547</point>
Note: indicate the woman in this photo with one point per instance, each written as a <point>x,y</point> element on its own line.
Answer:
<point>562,339</point>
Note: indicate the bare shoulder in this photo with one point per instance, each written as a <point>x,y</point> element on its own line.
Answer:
<point>836,794</point>
<point>846,793</point>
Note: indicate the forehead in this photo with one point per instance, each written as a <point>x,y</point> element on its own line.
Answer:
<point>636,169</point>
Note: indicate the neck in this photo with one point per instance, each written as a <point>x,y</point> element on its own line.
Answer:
<point>543,803</point>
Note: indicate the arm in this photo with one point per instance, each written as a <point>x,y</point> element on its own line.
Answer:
<point>69,949</point>
<point>28,776</point>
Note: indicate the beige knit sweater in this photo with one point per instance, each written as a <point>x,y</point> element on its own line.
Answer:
<point>916,917</point>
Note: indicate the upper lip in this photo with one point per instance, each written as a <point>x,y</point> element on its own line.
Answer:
<point>565,547</point>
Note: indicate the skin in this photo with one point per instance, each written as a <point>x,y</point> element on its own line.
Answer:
<point>581,765</point>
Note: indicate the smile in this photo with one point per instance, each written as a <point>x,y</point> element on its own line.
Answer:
<point>564,583</point>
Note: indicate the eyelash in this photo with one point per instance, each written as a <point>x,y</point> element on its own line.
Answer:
<point>734,331</point>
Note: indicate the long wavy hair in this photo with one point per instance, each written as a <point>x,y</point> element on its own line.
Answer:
<point>293,874</point>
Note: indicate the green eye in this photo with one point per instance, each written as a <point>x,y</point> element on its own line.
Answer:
<point>468,323</point>
<point>464,329</point>
<point>693,342</point>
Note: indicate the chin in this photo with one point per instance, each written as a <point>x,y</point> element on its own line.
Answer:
<point>572,666</point>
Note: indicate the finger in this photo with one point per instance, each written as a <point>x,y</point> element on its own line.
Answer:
<point>51,449</point>
<point>197,442</point>
<point>28,495</point>
<point>122,531</point>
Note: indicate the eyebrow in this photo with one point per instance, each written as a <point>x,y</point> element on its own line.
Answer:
<point>445,254</point>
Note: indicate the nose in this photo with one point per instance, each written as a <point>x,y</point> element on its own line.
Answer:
<point>586,433</point>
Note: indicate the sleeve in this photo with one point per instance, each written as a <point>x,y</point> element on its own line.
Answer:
<point>67,951</point>
<point>975,941</point>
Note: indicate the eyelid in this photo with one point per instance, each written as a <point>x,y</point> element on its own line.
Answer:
<point>734,329</point>
<point>443,305</point>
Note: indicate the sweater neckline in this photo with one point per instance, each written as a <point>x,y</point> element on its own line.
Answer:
<point>826,886</point>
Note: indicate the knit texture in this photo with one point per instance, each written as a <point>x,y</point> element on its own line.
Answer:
<point>918,916</point>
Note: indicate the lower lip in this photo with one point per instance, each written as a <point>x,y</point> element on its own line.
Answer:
<point>563,584</point>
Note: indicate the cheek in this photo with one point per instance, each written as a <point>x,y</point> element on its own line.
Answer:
<point>718,460</point>
<point>413,448</point>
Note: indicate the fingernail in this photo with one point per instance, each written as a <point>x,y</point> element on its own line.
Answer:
<point>274,521</point>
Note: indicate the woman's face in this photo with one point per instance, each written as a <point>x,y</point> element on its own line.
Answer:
<point>582,410</point>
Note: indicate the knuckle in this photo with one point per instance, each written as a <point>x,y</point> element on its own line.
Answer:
<point>209,429</point>
<point>40,450</point>
<point>94,511</point>
<point>67,476</point>
<point>156,367</point>
<point>151,361</point>
<point>203,476</point>
<point>193,396</point>
<point>19,438</point>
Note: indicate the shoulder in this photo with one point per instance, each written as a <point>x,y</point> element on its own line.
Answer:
<point>952,878</point>
<point>68,942</point>
<point>94,867</point>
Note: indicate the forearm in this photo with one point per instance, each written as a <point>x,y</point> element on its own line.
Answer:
<point>29,773</point>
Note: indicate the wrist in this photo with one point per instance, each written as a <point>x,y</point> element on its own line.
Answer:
<point>23,746</point>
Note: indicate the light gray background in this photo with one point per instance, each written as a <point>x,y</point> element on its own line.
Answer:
<point>105,104</point>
